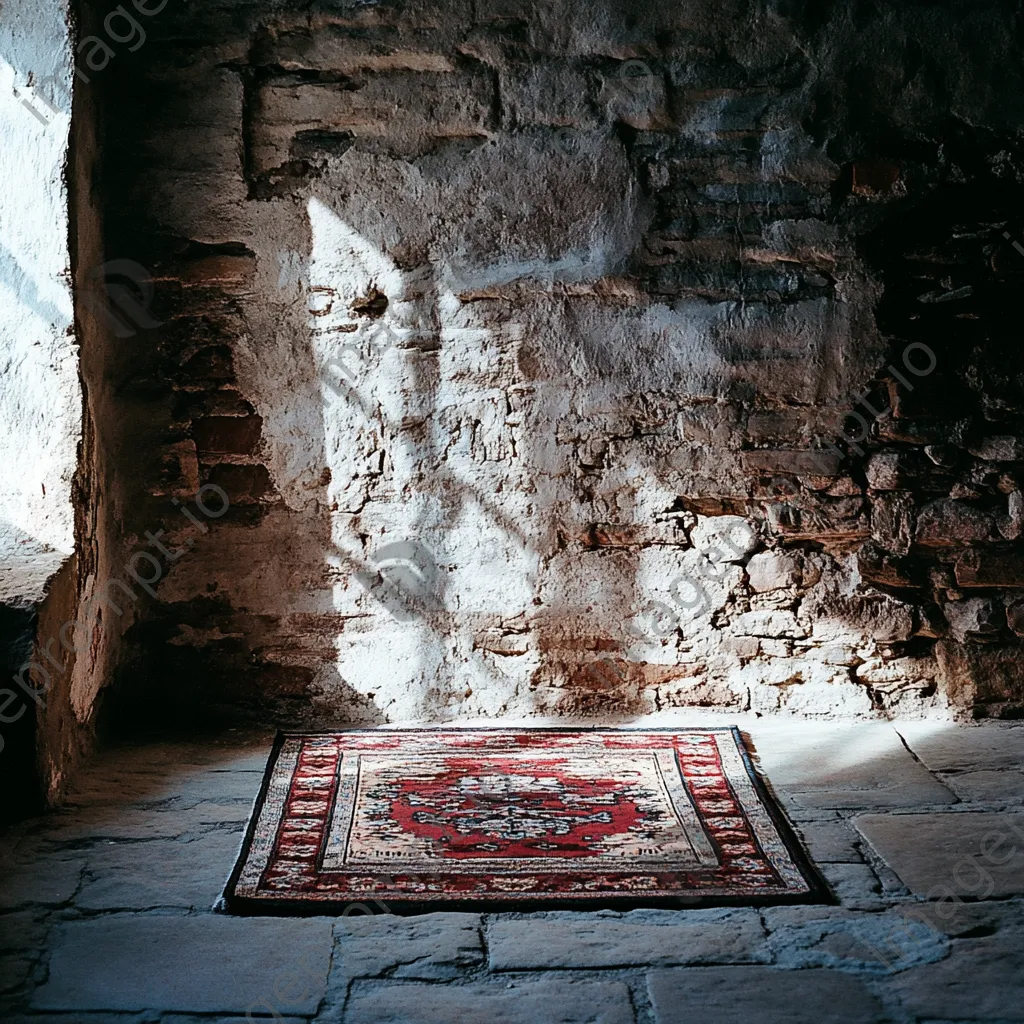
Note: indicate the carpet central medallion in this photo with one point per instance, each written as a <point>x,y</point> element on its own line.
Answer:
<point>422,817</point>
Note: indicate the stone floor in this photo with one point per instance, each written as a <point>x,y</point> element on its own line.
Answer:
<point>105,907</point>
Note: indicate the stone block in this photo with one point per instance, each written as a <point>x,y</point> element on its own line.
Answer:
<point>853,884</point>
<point>773,570</point>
<point>876,566</point>
<point>893,675</point>
<point>977,618</point>
<point>44,879</point>
<point>983,980</point>
<point>181,817</point>
<point>371,49</point>
<point>975,854</point>
<point>236,435</point>
<point>797,462</point>
<point>637,99</point>
<point>725,995</point>
<point>245,485</point>
<point>836,766</point>
<point>990,569</point>
<point>949,522</point>
<point>204,964</point>
<point>892,522</point>
<point>851,940</point>
<point>1015,617</point>
<point>836,616</point>
<point>519,1002</point>
<point>426,947</point>
<point>998,448</point>
<point>554,93</point>
<point>674,937</point>
<point>405,107</point>
<point>830,842</point>
<point>942,455</point>
<point>191,874</point>
<point>259,1014</point>
<point>14,972</point>
<point>22,930</point>
<point>231,273</point>
<point>1011,525</point>
<point>884,472</point>
<point>724,538</point>
<point>976,675</point>
<point>768,624</point>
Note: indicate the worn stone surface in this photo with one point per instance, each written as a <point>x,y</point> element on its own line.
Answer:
<point>108,1017</point>
<point>982,981</point>
<point>192,872</point>
<point>844,940</point>
<point>970,853</point>
<point>852,883</point>
<point>51,880</point>
<point>830,842</point>
<point>14,972</point>
<point>204,964</point>
<point>593,966</point>
<point>723,995</point>
<point>946,748</point>
<point>431,947</point>
<point>892,522</point>
<point>857,765</point>
<point>1015,617</point>
<point>992,787</point>
<point>773,570</point>
<point>522,1002</point>
<point>698,937</point>
<point>152,1017</point>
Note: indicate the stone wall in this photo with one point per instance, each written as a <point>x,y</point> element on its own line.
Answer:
<point>40,392</point>
<point>572,359</point>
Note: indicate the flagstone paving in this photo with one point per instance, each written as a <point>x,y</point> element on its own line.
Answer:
<point>107,907</point>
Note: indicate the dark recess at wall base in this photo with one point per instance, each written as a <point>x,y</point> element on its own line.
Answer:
<point>20,793</point>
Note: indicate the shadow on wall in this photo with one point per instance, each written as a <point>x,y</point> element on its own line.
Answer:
<point>442,488</point>
<point>523,586</point>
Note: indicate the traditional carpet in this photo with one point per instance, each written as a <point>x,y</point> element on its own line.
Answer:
<point>399,819</point>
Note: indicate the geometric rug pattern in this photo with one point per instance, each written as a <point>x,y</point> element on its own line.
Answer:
<point>398,820</point>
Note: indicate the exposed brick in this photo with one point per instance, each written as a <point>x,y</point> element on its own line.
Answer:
<point>237,435</point>
<point>244,484</point>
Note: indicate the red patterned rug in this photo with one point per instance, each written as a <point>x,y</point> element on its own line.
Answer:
<point>364,821</point>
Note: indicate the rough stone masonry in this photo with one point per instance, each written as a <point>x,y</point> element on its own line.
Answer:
<point>511,328</point>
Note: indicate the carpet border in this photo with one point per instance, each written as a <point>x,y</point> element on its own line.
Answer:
<point>819,892</point>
